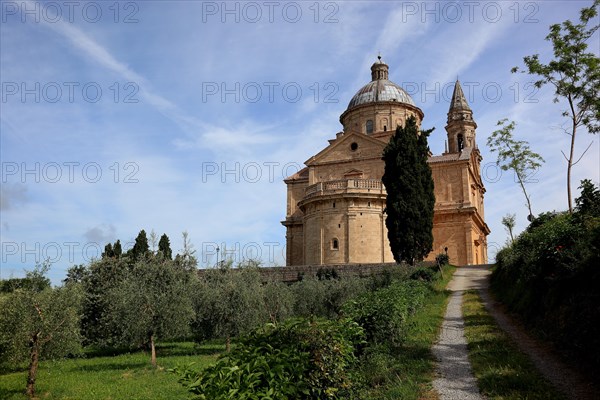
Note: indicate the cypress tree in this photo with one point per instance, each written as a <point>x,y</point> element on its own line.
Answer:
<point>117,249</point>
<point>410,198</point>
<point>164,247</point>
<point>140,248</point>
<point>108,251</point>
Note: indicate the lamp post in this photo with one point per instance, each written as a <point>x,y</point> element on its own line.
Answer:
<point>217,256</point>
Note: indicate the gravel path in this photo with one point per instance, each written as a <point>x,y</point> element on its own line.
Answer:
<point>455,380</point>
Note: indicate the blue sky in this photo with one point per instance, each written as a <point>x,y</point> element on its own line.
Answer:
<point>180,116</point>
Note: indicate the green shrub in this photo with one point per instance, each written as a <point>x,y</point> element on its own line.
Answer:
<point>549,275</point>
<point>423,274</point>
<point>278,301</point>
<point>383,313</point>
<point>390,274</point>
<point>442,259</point>
<point>327,274</point>
<point>325,298</point>
<point>378,366</point>
<point>299,359</point>
<point>228,302</point>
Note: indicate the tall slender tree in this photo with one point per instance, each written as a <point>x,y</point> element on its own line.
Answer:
<point>140,248</point>
<point>509,223</point>
<point>410,198</point>
<point>153,241</point>
<point>515,155</point>
<point>575,75</point>
<point>187,259</point>
<point>117,249</point>
<point>164,247</point>
<point>108,251</point>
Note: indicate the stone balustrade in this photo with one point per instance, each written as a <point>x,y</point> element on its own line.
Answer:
<point>345,185</point>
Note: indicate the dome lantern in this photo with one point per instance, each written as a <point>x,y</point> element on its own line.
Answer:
<point>379,70</point>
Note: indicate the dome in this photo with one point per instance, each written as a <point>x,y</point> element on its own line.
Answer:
<point>380,90</point>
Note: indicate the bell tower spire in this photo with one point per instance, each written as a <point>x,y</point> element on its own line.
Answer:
<point>461,126</point>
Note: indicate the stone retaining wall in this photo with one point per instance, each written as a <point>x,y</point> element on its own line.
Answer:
<point>295,273</point>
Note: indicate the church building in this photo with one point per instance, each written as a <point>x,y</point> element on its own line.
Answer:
<point>335,205</point>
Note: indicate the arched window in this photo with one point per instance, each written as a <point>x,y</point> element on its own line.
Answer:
<point>461,142</point>
<point>369,126</point>
<point>335,245</point>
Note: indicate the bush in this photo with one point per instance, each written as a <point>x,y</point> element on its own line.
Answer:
<point>378,366</point>
<point>549,275</point>
<point>229,302</point>
<point>327,274</point>
<point>383,313</point>
<point>278,300</point>
<point>442,259</point>
<point>299,359</point>
<point>325,298</point>
<point>390,274</point>
<point>423,274</point>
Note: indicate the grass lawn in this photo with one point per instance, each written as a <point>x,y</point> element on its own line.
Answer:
<point>502,371</point>
<point>414,365</point>
<point>121,376</point>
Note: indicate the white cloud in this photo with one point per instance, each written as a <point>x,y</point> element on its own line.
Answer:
<point>102,234</point>
<point>12,196</point>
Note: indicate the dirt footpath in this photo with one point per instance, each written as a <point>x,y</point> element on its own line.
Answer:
<point>567,380</point>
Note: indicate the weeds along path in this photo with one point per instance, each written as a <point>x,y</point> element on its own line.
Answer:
<point>562,376</point>
<point>455,380</point>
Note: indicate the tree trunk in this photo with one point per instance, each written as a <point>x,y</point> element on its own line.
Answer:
<point>153,351</point>
<point>228,344</point>
<point>569,166</point>
<point>522,184</point>
<point>33,365</point>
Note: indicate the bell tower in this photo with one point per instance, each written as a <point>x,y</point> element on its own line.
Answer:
<point>460,126</point>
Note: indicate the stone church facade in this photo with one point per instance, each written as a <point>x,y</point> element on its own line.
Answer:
<point>335,205</point>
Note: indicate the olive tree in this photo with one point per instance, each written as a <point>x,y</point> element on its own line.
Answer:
<point>230,302</point>
<point>152,302</point>
<point>40,324</point>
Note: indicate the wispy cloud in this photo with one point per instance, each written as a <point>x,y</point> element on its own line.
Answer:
<point>172,134</point>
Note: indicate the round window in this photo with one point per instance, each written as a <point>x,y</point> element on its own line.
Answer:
<point>354,146</point>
